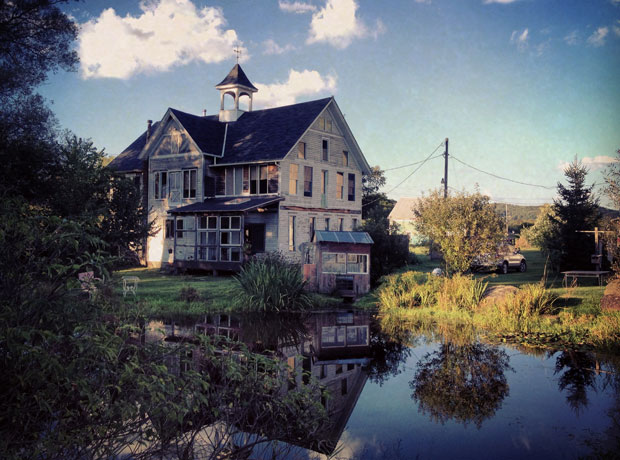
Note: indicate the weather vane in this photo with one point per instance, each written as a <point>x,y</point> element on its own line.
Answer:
<point>237,51</point>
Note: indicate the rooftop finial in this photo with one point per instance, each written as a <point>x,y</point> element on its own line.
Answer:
<point>237,51</point>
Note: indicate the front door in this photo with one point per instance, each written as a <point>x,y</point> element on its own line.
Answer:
<point>255,237</point>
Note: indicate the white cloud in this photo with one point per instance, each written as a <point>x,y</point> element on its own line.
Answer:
<point>338,24</point>
<point>296,7</point>
<point>271,47</point>
<point>168,33</point>
<point>299,83</point>
<point>592,163</point>
<point>520,39</point>
<point>598,37</point>
<point>572,38</point>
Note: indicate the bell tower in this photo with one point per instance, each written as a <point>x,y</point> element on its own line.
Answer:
<point>237,85</point>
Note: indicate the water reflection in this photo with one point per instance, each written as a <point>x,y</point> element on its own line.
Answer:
<point>466,383</point>
<point>448,373</point>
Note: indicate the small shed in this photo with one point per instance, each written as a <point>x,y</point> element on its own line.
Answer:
<point>340,263</point>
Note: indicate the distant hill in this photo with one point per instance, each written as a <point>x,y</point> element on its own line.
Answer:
<point>519,216</point>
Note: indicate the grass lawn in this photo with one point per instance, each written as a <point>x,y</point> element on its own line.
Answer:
<point>585,298</point>
<point>160,294</point>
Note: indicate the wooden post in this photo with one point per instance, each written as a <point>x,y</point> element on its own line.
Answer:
<point>445,172</point>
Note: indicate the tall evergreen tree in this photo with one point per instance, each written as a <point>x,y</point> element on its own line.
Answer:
<point>576,210</point>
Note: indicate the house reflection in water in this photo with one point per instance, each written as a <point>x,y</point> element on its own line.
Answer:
<point>333,348</point>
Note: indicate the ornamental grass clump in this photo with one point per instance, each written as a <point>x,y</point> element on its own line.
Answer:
<point>409,290</point>
<point>271,283</point>
<point>527,304</point>
<point>461,292</point>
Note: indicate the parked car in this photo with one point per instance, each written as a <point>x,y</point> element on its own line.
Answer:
<point>507,258</point>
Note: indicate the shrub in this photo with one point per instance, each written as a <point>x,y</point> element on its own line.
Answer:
<point>409,290</point>
<point>271,283</point>
<point>189,294</point>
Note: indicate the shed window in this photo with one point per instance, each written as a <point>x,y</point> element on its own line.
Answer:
<point>334,262</point>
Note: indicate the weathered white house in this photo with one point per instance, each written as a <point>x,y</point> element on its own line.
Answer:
<point>245,181</point>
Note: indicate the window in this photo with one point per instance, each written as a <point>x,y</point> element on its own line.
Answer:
<point>253,180</point>
<point>238,180</point>
<point>328,125</point>
<point>263,179</point>
<point>301,150</point>
<point>307,181</point>
<point>311,226</point>
<point>220,181</point>
<point>324,182</point>
<point>322,124</point>
<point>230,181</point>
<point>325,150</point>
<point>169,228</point>
<point>291,233</point>
<point>345,263</point>
<point>351,188</point>
<point>340,224</point>
<point>161,185</point>
<point>327,223</point>
<point>274,178</point>
<point>340,185</point>
<point>180,228</point>
<point>292,179</point>
<point>345,158</point>
<point>246,181</point>
<point>353,223</point>
<point>333,336</point>
<point>189,183</point>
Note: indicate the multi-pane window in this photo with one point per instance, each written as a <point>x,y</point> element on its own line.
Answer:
<point>325,155</point>
<point>161,185</point>
<point>340,224</point>
<point>291,233</point>
<point>327,223</point>
<point>179,228</point>
<point>351,187</point>
<point>345,263</point>
<point>293,178</point>
<point>189,183</point>
<point>219,238</point>
<point>307,181</point>
<point>301,150</point>
<point>345,158</point>
<point>353,223</point>
<point>324,182</point>
<point>339,185</point>
<point>247,180</point>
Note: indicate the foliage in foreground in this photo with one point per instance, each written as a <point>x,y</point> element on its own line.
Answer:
<point>81,381</point>
<point>271,283</point>
<point>462,225</point>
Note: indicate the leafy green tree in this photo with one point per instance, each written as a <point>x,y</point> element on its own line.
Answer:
<point>612,179</point>
<point>390,250</point>
<point>462,225</point>
<point>575,210</point>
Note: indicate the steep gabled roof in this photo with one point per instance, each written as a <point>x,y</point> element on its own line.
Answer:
<point>236,77</point>
<point>207,132</point>
<point>403,209</point>
<point>268,135</point>
<point>129,159</point>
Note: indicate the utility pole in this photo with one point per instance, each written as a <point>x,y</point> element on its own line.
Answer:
<point>506,218</point>
<point>445,172</point>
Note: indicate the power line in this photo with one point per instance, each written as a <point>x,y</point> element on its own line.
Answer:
<point>503,178</point>
<point>413,164</point>
<point>410,174</point>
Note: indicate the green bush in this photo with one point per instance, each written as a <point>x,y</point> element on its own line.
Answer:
<point>461,292</point>
<point>271,283</point>
<point>527,304</point>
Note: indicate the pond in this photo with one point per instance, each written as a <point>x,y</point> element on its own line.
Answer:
<point>402,391</point>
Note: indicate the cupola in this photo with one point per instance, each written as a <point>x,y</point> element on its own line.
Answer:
<point>237,85</point>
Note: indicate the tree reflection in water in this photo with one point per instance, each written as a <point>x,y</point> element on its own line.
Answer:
<point>578,376</point>
<point>461,382</point>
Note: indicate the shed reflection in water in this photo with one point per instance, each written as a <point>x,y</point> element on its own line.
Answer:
<point>496,401</point>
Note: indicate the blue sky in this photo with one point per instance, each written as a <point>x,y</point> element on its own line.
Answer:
<point>520,87</point>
